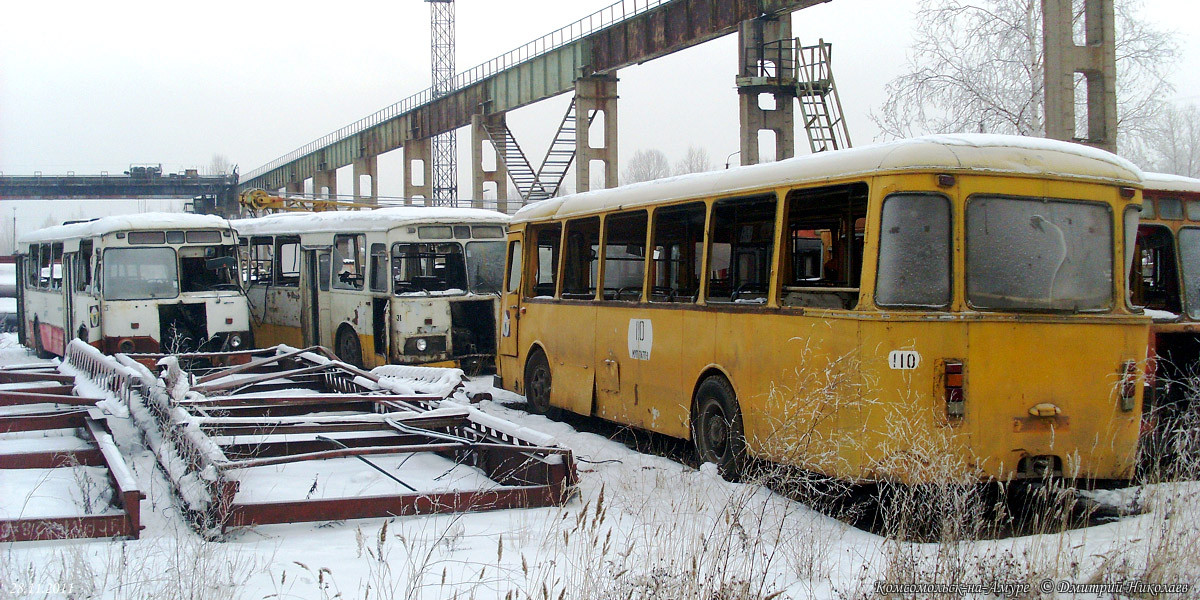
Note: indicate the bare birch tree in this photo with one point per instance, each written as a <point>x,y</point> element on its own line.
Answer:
<point>1174,144</point>
<point>646,165</point>
<point>695,161</point>
<point>219,165</point>
<point>977,66</point>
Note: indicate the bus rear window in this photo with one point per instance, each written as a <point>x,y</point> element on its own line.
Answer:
<point>140,274</point>
<point>1032,254</point>
<point>147,237</point>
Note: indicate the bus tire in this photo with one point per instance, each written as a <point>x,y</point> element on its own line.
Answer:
<point>537,385</point>
<point>347,347</point>
<point>37,341</point>
<point>717,427</point>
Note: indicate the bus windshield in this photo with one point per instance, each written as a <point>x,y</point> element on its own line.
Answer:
<point>209,268</point>
<point>1039,255</point>
<point>485,266</point>
<point>140,274</point>
<point>428,267</point>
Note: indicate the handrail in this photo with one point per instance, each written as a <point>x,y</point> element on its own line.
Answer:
<point>601,19</point>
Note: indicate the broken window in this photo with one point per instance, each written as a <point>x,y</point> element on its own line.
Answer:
<point>83,267</point>
<point>514,267</point>
<point>209,268</point>
<point>350,259</point>
<point>581,259</point>
<point>546,239</point>
<point>914,251</point>
<point>625,255</point>
<point>485,266</point>
<point>32,266</point>
<point>1153,280</point>
<point>287,261</point>
<point>743,238</point>
<point>261,261</point>
<point>822,262</point>
<point>678,247</point>
<point>428,267</point>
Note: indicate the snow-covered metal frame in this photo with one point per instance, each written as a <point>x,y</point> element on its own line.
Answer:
<point>287,405</point>
<point>68,412</point>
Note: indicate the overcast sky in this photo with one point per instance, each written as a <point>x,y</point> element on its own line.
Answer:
<point>90,87</point>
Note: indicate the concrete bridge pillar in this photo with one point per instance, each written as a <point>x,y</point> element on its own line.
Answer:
<point>414,151</point>
<point>480,176</point>
<point>325,184</point>
<point>295,188</point>
<point>1097,61</point>
<point>367,165</point>
<point>595,94</point>
<point>767,65</point>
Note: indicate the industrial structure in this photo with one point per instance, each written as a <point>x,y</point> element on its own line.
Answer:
<point>584,58</point>
<point>1096,60</point>
<point>209,194</point>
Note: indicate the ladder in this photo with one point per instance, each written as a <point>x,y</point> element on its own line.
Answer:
<point>820,106</point>
<point>546,181</point>
<point>522,175</point>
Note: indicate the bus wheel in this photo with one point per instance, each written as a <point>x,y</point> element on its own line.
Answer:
<point>717,427</point>
<point>37,341</point>
<point>348,348</point>
<point>537,385</point>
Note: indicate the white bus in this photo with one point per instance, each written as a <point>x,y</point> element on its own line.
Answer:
<point>150,282</point>
<point>397,285</point>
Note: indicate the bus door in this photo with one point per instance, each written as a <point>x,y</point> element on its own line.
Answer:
<point>510,307</point>
<point>70,323</point>
<point>315,309</point>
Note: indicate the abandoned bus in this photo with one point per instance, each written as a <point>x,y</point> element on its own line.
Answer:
<point>1165,279</point>
<point>402,285</point>
<point>137,283</point>
<point>930,308</point>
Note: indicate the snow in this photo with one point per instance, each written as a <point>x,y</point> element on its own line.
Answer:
<point>1001,154</point>
<point>61,492</point>
<point>634,529</point>
<point>436,293</point>
<point>1160,316</point>
<point>379,219</point>
<point>106,225</point>
<point>1165,182</point>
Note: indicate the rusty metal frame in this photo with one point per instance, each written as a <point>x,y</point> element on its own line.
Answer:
<point>69,412</point>
<point>204,411</point>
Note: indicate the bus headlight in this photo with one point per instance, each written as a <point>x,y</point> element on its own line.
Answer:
<point>125,346</point>
<point>422,345</point>
<point>235,340</point>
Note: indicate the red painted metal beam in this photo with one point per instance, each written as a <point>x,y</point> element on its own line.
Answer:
<point>58,528</point>
<point>52,460</point>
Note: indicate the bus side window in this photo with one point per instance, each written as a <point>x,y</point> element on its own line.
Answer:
<point>287,262</point>
<point>822,262</point>
<point>32,269</point>
<point>625,256</point>
<point>83,267</point>
<point>514,267</point>
<point>349,261</point>
<point>379,268</point>
<point>581,259</point>
<point>739,259</point>
<point>261,260</point>
<point>56,267</point>
<point>545,276</point>
<point>1153,280</point>
<point>677,248</point>
<point>44,267</point>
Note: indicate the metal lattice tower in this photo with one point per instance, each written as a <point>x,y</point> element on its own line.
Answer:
<point>444,146</point>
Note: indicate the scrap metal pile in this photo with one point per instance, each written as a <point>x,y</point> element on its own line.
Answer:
<point>289,435</point>
<point>61,474</point>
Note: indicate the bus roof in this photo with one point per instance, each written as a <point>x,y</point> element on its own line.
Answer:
<point>1164,182</point>
<point>1006,154</point>
<point>107,225</point>
<point>379,219</point>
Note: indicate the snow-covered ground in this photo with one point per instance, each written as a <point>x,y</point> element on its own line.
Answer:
<point>641,526</point>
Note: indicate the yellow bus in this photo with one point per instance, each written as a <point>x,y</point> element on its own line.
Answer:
<point>930,308</point>
<point>1165,280</point>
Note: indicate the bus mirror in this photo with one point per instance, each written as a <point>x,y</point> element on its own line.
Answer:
<point>221,262</point>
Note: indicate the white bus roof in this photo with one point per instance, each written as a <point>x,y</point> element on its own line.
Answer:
<point>1164,182</point>
<point>379,219</point>
<point>107,225</point>
<point>1006,154</point>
